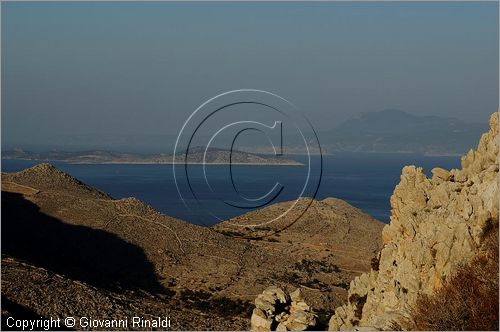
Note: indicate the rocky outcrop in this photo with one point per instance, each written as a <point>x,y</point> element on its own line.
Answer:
<point>277,310</point>
<point>436,224</point>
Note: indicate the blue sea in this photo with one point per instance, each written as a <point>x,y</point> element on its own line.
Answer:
<point>364,180</point>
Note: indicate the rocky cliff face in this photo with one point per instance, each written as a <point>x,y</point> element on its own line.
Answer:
<point>436,224</point>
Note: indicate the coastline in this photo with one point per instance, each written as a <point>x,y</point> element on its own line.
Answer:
<point>157,163</point>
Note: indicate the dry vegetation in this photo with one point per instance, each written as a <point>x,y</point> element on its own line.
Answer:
<point>469,299</point>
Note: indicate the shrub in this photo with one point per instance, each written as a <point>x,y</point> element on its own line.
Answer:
<point>469,299</point>
<point>375,262</point>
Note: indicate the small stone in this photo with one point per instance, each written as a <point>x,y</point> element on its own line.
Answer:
<point>296,295</point>
<point>441,173</point>
<point>439,196</point>
<point>281,317</point>
<point>259,312</point>
<point>277,293</point>
<point>296,326</point>
<point>307,318</point>
<point>264,305</point>
<point>460,177</point>
<point>281,327</point>
<point>271,298</point>
<point>299,306</point>
<point>259,323</point>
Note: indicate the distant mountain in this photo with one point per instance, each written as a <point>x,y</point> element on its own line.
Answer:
<point>387,131</point>
<point>398,131</point>
<point>196,155</point>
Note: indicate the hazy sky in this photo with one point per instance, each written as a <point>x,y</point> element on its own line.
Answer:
<point>100,69</point>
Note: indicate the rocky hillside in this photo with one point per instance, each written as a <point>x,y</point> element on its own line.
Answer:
<point>437,224</point>
<point>31,292</point>
<point>349,228</point>
<point>61,237</point>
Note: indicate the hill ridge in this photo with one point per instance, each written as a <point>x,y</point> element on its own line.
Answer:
<point>77,232</point>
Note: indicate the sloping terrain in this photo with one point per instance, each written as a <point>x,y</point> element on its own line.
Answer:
<point>320,252</point>
<point>52,222</point>
<point>30,292</point>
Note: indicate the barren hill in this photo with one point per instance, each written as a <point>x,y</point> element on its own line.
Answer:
<point>330,224</point>
<point>54,225</point>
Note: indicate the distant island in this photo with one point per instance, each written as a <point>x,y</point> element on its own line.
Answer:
<point>385,131</point>
<point>214,156</point>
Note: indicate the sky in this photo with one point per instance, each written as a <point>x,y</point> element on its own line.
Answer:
<point>92,74</point>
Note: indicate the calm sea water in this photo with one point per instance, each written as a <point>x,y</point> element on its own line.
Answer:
<point>363,180</point>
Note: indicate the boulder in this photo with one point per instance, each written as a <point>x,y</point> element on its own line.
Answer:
<point>441,174</point>
<point>275,308</point>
